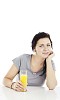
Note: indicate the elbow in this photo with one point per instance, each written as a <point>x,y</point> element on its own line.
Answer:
<point>52,86</point>
<point>4,79</point>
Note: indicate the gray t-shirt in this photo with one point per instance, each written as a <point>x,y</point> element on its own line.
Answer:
<point>34,79</point>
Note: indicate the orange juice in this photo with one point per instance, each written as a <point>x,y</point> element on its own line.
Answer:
<point>23,79</point>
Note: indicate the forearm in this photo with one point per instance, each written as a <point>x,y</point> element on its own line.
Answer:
<point>50,75</point>
<point>7,82</point>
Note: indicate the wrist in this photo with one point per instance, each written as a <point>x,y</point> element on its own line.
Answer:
<point>12,85</point>
<point>48,60</point>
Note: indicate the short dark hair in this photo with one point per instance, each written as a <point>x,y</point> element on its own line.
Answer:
<point>39,36</point>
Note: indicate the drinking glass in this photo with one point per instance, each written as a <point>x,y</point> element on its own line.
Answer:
<point>23,78</point>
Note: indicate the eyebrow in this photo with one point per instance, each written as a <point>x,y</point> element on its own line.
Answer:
<point>46,44</point>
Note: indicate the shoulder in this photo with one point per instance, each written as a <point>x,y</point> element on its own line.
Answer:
<point>24,56</point>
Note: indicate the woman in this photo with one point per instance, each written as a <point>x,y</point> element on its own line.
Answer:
<point>39,65</point>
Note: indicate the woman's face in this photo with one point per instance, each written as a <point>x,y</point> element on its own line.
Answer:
<point>43,47</point>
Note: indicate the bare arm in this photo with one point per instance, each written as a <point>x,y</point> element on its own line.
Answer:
<point>7,81</point>
<point>50,74</point>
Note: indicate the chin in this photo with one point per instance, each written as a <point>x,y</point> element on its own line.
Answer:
<point>45,56</point>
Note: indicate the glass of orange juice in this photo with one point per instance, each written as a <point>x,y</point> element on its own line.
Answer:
<point>23,78</point>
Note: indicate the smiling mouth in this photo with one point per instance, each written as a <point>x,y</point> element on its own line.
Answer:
<point>46,53</point>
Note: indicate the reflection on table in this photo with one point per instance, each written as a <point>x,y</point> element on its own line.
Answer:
<point>35,93</point>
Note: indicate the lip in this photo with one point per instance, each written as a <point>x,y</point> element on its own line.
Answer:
<point>46,53</point>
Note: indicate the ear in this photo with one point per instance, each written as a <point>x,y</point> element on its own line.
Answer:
<point>34,50</point>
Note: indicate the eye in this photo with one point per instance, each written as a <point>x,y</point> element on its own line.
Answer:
<point>48,45</point>
<point>41,46</point>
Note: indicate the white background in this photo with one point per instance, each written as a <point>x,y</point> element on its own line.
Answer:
<point>20,20</point>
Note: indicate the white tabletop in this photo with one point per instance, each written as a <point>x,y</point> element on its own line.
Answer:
<point>33,93</point>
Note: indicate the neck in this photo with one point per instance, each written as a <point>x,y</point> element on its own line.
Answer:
<point>38,59</point>
<point>36,63</point>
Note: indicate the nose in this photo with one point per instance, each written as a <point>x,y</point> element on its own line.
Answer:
<point>45,48</point>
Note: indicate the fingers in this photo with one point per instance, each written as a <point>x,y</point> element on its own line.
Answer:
<point>18,86</point>
<point>19,89</point>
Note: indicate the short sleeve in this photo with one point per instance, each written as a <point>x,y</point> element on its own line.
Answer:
<point>53,65</point>
<point>17,62</point>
